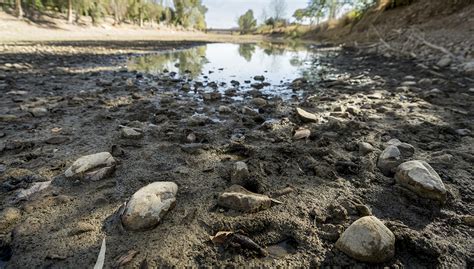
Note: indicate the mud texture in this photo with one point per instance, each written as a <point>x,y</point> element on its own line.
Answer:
<point>87,96</point>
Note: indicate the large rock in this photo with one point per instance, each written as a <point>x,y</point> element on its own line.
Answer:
<point>421,178</point>
<point>368,240</point>
<point>89,162</point>
<point>389,159</point>
<point>148,205</point>
<point>238,198</point>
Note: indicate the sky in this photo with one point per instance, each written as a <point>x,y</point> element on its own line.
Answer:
<point>224,13</point>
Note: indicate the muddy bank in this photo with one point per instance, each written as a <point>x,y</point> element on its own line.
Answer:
<point>57,106</point>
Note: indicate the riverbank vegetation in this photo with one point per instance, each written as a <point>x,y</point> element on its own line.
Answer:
<point>320,18</point>
<point>186,13</point>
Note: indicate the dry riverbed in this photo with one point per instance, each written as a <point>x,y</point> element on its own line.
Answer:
<point>312,164</point>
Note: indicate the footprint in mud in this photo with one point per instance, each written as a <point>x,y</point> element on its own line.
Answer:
<point>282,249</point>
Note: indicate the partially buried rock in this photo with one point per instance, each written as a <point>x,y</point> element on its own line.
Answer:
<point>89,162</point>
<point>405,149</point>
<point>238,198</point>
<point>56,140</point>
<point>131,133</point>
<point>302,133</point>
<point>239,173</point>
<point>224,109</point>
<point>25,194</point>
<point>148,205</point>
<point>389,159</point>
<point>368,240</point>
<point>38,111</point>
<point>258,102</point>
<point>365,148</point>
<point>306,116</point>
<point>421,178</point>
<point>99,174</point>
<point>8,217</point>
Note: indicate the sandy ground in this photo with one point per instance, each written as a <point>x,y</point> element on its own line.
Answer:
<point>12,29</point>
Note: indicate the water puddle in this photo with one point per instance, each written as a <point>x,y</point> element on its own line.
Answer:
<point>267,67</point>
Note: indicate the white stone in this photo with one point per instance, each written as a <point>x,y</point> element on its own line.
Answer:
<point>148,205</point>
<point>88,162</point>
<point>422,179</point>
<point>306,116</point>
<point>367,240</point>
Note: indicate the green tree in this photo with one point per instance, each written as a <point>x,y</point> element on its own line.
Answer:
<point>190,13</point>
<point>247,22</point>
<point>299,15</point>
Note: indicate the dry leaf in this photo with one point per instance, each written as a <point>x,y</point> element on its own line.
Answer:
<point>302,133</point>
<point>220,237</point>
<point>126,258</point>
<point>101,258</point>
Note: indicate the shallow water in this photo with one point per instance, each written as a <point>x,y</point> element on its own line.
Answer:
<point>222,63</point>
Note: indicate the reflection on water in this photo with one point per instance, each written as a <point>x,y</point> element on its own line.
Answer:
<point>246,51</point>
<point>220,64</point>
<point>190,61</point>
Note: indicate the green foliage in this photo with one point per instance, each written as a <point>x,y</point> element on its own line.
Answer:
<point>318,9</point>
<point>299,14</point>
<point>190,13</point>
<point>247,22</point>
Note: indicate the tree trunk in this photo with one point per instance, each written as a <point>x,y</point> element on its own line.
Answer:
<point>140,13</point>
<point>19,9</point>
<point>333,9</point>
<point>69,12</point>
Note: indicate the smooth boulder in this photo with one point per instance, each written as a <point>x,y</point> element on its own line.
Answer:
<point>367,240</point>
<point>422,179</point>
<point>89,162</point>
<point>148,205</point>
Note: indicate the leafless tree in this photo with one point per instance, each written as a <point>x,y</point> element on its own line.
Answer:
<point>278,8</point>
